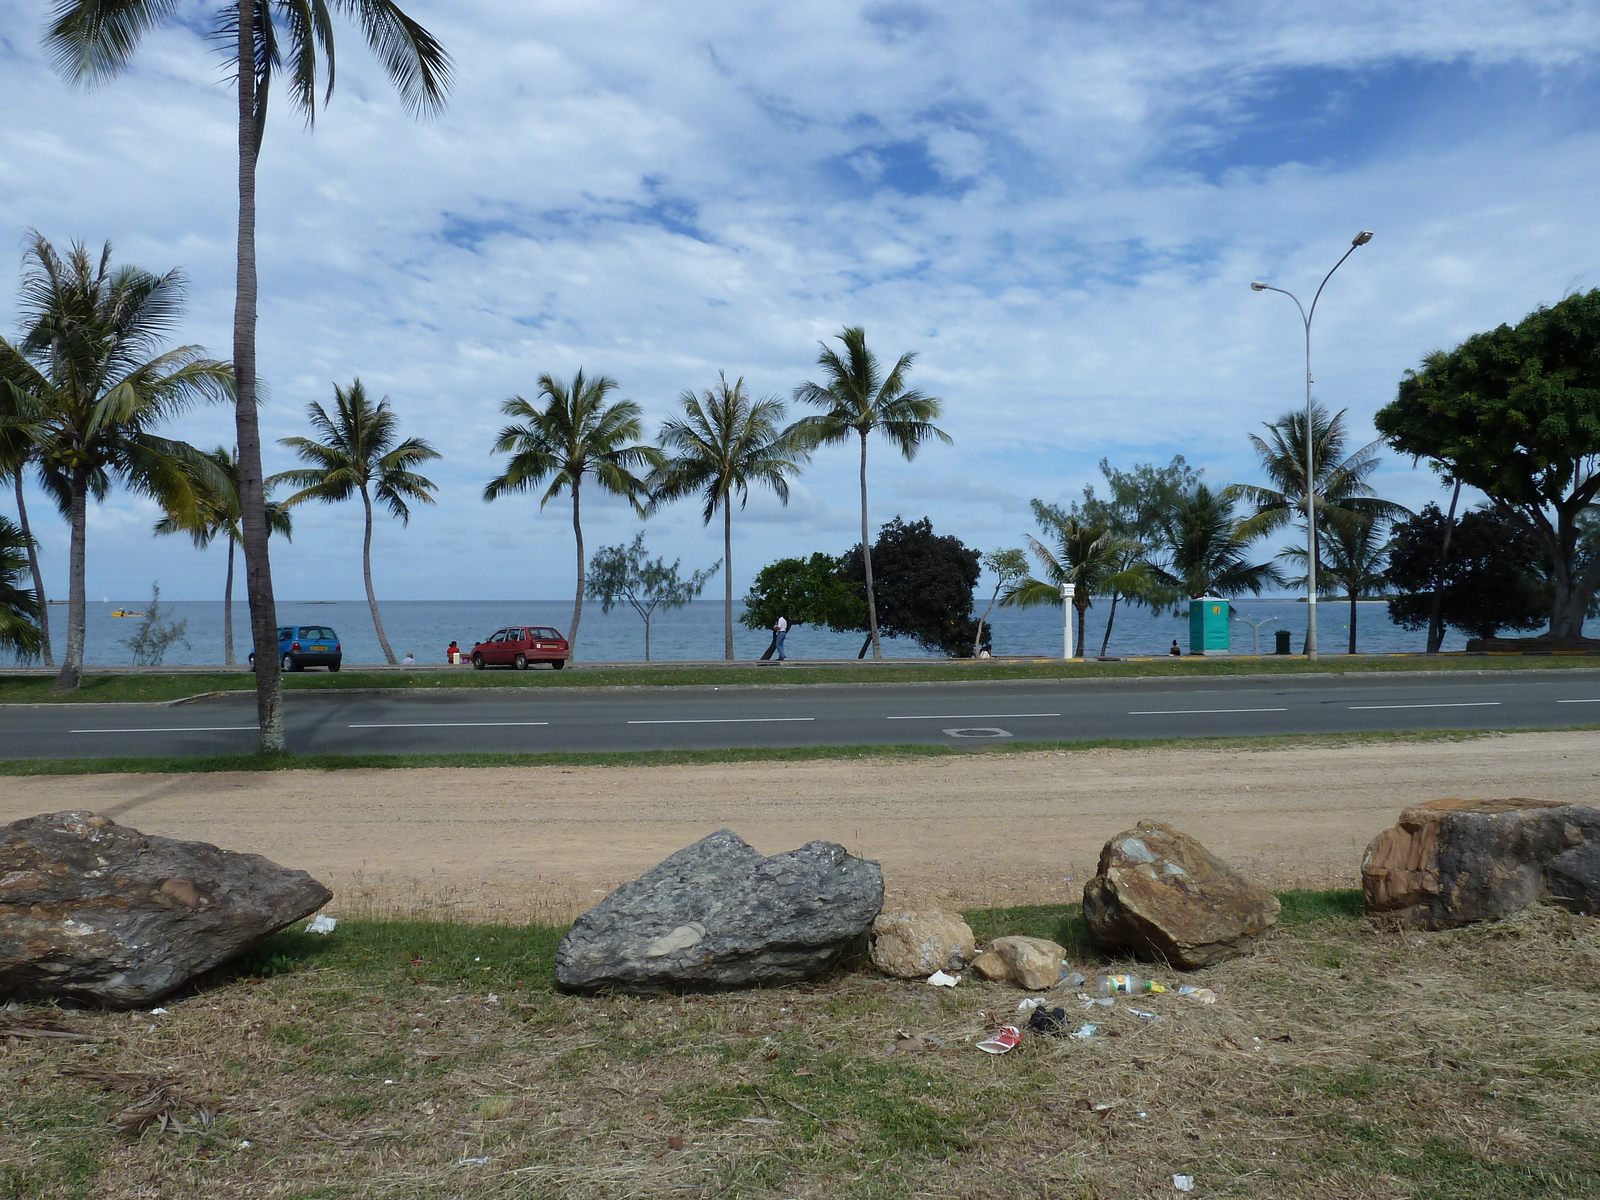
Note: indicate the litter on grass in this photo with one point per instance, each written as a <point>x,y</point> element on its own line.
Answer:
<point>322,923</point>
<point>1031,1003</point>
<point>1003,1039</point>
<point>1083,1033</point>
<point>1144,1016</point>
<point>1198,995</point>
<point>1051,1021</point>
<point>1184,1183</point>
<point>1090,1003</point>
<point>941,979</point>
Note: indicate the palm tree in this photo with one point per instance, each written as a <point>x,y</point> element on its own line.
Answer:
<point>94,40</point>
<point>1206,548</point>
<point>724,442</point>
<point>856,399</point>
<point>1086,560</point>
<point>218,516</point>
<point>20,631</point>
<point>1353,559</point>
<point>17,452</point>
<point>359,454</point>
<point>575,433</point>
<point>92,384</point>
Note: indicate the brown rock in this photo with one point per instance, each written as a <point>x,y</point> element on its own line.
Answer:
<point>99,913</point>
<point>1031,963</point>
<point>913,945</point>
<point>1161,895</point>
<point>1451,862</point>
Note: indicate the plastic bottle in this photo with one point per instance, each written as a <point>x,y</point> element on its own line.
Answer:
<point>1125,985</point>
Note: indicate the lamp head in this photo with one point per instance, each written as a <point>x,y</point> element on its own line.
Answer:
<point>1362,238</point>
<point>1258,286</point>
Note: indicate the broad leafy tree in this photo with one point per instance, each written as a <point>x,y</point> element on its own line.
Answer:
<point>20,631</point>
<point>925,583</point>
<point>574,433</point>
<point>1515,412</point>
<point>89,383</point>
<point>724,442</point>
<point>290,43</point>
<point>627,574</point>
<point>359,453</point>
<point>219,515</point>
<point>1205,548</point>
<point>1079,561</point>
<point>856,399</point>
<point>805,591</point>
<point>1495,578</point>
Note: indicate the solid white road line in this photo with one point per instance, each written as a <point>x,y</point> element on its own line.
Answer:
<point>720,720</point>
<point>176,729</point>
<point>970,716</point>
<point>1171,712</point>
<point>1578,701</point>
<point>1458,704</point>
<point>443,724</point>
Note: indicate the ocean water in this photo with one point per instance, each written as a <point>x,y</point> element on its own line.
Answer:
<point>425,628</point>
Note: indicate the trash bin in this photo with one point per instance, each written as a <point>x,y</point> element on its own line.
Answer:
<point>1208,625</point>
<point>1282,647</point>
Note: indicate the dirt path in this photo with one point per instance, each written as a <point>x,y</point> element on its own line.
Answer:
<point>547,842</point>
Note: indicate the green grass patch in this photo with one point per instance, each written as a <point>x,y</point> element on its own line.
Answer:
<point>1306,907</point>
<point>126,688</point>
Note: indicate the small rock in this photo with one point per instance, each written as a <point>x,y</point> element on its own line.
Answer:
<point>1030,963</point>
<point>912,945</point>
<point>1452,862</point>
<point>718,914</point>
<point>99,913</point>
<point>1161,895</point>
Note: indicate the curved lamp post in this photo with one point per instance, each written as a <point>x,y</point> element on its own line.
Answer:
<point>1361,239</point>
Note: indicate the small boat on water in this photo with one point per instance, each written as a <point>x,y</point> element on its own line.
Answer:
<point>126,612</point>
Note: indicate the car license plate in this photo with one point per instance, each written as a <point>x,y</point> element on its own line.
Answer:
<point>314,649</point>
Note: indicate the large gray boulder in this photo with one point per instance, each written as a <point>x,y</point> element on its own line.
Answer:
<point>719,915</point>
<point>95,912</point>
<point>1451,862</point>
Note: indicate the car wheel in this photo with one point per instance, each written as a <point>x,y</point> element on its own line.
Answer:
<point>334,666</point>
<point>520,662</point>
<point>289,664</point>
<point>557,663</point>
<point>477,662</point>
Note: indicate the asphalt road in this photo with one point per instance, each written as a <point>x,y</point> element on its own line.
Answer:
<point>712,718</point>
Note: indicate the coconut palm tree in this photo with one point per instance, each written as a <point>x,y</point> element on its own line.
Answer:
<point>723,443</point>
<point>359,454</point>
<point>1353,558</point>
<point>17,452</point>
<point>857,399</point>
<point>20,631</point>
<point>291,42</point>
<point>90,383</point>
<point>575,433</point>
<point>1086,560</point>
<point>1205,547</point>
<point>218,515</point>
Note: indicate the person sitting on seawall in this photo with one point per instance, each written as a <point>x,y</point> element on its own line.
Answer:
<point>410,660</point>
<point>1174,651</point>
<point>452,654</point>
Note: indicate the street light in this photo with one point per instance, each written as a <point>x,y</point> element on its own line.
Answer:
<point>1361,239</point>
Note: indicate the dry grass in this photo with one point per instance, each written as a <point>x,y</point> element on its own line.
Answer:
<point>416,1060</point>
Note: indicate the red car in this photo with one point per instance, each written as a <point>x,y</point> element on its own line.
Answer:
<point>521,646</point>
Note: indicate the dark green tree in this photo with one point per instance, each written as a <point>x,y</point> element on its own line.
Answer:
<point>1515,413</point>
<point>925,582</point>
<point>19,606</point>
<point>805,591</point>
<point>1494,578</point>
<point>289,42</point>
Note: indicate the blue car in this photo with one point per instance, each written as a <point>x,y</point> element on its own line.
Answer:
<point>302,646</point>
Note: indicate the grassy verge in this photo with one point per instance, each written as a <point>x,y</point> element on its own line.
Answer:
<point>415,1060</point>
<point>121,689</point>
<point>668,758</point>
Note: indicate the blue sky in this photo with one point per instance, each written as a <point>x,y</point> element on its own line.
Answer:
<point>1058,207</point>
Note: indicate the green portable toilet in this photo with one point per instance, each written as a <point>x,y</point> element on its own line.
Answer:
<point>1208,625</point>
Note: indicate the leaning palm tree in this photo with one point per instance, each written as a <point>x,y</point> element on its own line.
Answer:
<point>856,399</point>
<point>17,453</point>
<point>20,632</point>
<point>1206,548</point>
<point>575,433</point>
<point>359,454</point>
<point>724,442</point>
<point>1086,560</point>
<point>1353,558</point>
<point>218,516</point>
<point>290,41</point>
<point>91,383</point>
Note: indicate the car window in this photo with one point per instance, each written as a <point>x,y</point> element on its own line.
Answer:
<point>499,635</point>
<point>318,633</point>
<point>545,632</point>
<point>285,634</point>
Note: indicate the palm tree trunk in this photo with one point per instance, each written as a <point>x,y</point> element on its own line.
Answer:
<point>866,560</point>
<point>38,577</point>
<point>1352,622</point>
<point>727,578</point>
<point>252,490</point>
<point>1083,650</point>
<point>1436,612</point>
<point>71,674</point>
<point>366,574</point>
<point>1110,618</point>
<point>227,609</point>
<point>577,601</point>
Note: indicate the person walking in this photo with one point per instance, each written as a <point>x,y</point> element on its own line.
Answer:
<point>780,630</point>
